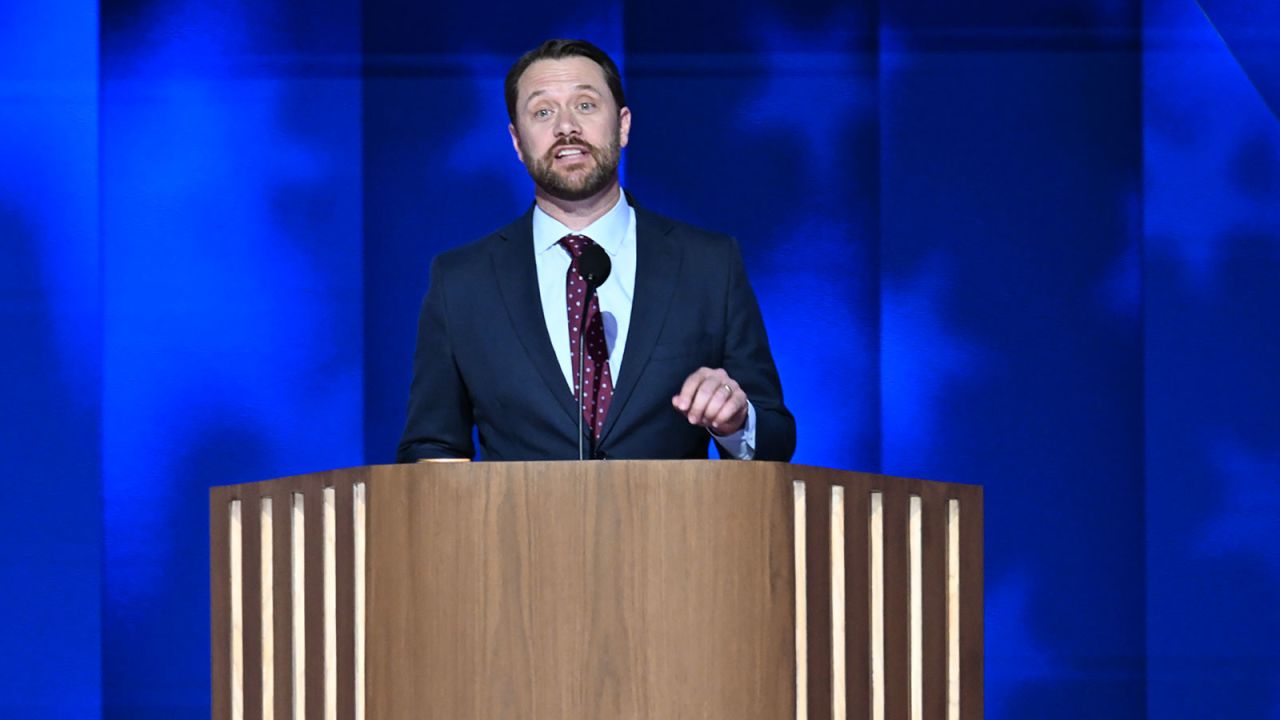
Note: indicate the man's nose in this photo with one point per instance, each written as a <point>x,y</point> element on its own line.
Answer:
<point>567,125</point>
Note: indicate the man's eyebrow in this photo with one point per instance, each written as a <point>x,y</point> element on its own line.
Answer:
<point>579,86</point>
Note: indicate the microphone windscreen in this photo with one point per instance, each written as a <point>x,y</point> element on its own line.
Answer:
<point>594,265</point>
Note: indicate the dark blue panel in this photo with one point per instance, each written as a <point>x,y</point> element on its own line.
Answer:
<point>750,29</point>
<point>433,180</point>
<point>232,235</point>
<point>1012,355</point>
<point>1213,346</point>
<point>778,147</point>
<point>50,362</point>
<point>404,29</point>
<point>1059,25</point>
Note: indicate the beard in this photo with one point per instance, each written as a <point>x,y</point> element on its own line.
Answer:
<point>574,185</point>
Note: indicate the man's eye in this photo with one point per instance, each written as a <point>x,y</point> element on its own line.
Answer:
<point>542,113</point>
<point>586,106</point>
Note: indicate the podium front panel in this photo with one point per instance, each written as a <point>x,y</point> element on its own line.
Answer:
<point>645,589</point>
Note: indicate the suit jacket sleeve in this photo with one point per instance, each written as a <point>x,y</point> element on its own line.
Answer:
<point>440,414</point>
<point>748,360</point>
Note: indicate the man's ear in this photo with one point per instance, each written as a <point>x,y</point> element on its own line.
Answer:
<point>624,126</point>
<point>515,139</point>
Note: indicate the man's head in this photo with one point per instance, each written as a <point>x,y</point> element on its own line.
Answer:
<point>569,120</point>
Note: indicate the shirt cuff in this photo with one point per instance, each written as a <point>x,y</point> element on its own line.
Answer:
<point>742,444</point>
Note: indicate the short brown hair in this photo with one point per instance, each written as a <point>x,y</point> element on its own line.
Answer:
<point>557,50</point>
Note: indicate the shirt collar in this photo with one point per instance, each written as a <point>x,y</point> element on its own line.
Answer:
<point>609,231</point>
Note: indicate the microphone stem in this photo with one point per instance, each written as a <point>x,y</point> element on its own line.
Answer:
<point>582,380</point>
<point>582,384</point>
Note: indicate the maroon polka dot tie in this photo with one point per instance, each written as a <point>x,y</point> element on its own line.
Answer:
<point>599,385</point>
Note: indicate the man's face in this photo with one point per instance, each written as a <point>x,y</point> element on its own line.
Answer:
<point>568,130</point>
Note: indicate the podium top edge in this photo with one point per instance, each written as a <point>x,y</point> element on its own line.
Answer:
<point>799,472</point>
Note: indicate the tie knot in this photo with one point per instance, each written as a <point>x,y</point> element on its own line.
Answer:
<point>575,244</point>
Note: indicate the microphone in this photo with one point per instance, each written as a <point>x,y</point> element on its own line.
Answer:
<point>594,267</point>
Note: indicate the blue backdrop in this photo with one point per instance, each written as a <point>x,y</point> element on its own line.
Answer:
<point>1034,246</point>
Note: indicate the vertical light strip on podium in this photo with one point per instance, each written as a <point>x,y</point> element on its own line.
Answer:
<point>297,592</point>
<point>953,610</point>
<point>802,625</point>
<point>330,605</point>
<point>839,684</point>
<point>267,609</point>
<point>237,613</point>
<point>915,560</point>
<point>359,527</point>
<point>876,532</point>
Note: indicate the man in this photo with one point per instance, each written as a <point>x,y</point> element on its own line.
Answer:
<point>675,348</point>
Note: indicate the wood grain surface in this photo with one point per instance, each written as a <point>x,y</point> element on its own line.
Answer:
<point>581,590</point>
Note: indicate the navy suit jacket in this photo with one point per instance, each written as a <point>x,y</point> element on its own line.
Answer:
<point>484,358</point>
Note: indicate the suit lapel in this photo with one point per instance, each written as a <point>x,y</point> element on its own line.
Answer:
<point>657,267</point>
<point>517,279</point>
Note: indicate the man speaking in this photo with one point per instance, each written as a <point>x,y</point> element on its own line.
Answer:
<point>590,327</point>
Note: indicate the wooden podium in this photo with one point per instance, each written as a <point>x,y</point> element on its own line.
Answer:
<point>658,590</point>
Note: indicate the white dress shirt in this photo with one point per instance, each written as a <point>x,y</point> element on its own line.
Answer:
<point>615,232</point>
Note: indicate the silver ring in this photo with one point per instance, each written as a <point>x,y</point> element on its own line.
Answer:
<point>729,388</point>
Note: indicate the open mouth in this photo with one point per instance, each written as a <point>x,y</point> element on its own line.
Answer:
<point>571,152</point>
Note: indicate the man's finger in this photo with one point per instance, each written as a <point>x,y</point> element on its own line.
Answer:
<point>701,398</point>
<point>715,402</point>
<point>732,414</point>
<point>726,396</point>
<point>684,399</point>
